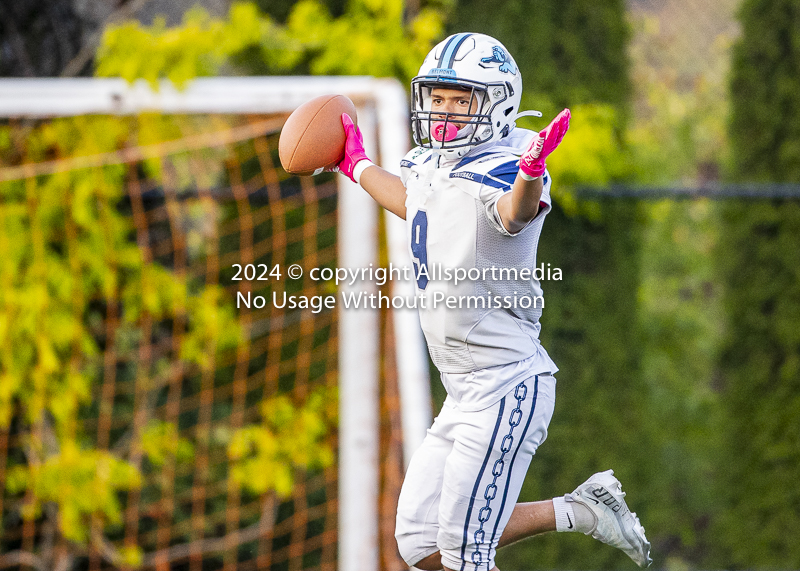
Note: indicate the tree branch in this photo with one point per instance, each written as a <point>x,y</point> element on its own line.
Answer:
<point>210,545</point>
<point>65,562</point>
<point>19,557</point>
<point>77,63</point>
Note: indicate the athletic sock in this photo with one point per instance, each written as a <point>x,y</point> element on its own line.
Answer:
<point>572,516</point>
<point>565,515</point>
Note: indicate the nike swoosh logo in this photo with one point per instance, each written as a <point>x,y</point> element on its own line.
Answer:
<point>570,522</point>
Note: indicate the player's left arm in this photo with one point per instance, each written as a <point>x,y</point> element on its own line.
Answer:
<point>521,205</point>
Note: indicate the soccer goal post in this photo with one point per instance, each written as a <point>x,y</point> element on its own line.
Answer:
<point>383,118</point>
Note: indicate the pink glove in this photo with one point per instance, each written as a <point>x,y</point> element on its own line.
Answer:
<point>532,161</point>
<point>353,148</point>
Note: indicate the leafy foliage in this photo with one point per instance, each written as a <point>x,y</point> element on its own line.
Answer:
<point>757,259</point>
<point>69,260</point>
<point>161,440</point>
<point>760,365</point>
<point>568,53</point>
<point>677,131</point>
<point>682,320</point>
<point>82,483</point>
<point>197,48</point>
<point>263,456</point>
<point>370,38</point>
<point>765,115</point>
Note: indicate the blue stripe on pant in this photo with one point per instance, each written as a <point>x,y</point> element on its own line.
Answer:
<point>507,444</point>
<point>478,480</point>
<point>514,458</point>
<point>462,484</point>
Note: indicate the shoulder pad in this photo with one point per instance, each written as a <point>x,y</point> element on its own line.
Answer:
<point>484,157</point>
<point>416,156</point>
<point>497,172</point>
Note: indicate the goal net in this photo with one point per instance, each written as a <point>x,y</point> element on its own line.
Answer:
<point>171,367</point>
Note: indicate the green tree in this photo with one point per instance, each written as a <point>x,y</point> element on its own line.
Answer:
<point>200,46</point>
<point>681,321</point>
<point>765,113</point>
<point>568,52</point>
<point>758,260</point>
<point>370,38</point>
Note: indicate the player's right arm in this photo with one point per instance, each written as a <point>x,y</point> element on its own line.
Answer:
<point>387,189</point>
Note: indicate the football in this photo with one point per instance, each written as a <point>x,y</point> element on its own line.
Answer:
<point>313,136</point>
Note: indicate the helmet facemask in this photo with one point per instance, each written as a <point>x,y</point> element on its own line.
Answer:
<point>473,128</point>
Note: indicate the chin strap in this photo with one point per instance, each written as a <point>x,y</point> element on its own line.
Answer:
<point>528,114</point>
<point>531,163</point>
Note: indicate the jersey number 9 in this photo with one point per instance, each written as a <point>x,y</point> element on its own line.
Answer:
<point>419,248</point>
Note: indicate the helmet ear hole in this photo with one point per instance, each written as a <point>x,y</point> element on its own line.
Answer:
<point>508,111</point>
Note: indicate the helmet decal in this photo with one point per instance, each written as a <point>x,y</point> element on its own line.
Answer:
<point>443,71</point>
<point>451,49</point>
<point>499,56</point>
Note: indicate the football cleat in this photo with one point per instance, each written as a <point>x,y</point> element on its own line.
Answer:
<point>615,524</point>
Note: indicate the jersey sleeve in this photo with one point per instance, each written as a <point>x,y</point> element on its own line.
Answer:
<point>489,178</point>
<point>413,159</point>
<point>486,178</point>
<point>545,205</point>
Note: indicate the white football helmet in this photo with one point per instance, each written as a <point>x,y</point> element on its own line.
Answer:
<point>476,63</point>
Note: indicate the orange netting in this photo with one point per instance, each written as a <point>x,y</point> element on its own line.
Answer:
<point>198,222</point>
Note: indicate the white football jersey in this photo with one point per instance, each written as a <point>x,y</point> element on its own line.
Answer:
<point>453,223</point>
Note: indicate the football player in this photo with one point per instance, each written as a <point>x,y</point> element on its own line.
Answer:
<point>474,193</point>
